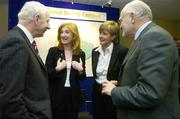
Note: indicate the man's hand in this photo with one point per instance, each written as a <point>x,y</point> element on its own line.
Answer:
<point>107,87</point>
<point>178,44</point>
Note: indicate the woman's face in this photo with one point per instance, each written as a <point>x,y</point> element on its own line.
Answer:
<point>66,36</point>
<point>105,38</point>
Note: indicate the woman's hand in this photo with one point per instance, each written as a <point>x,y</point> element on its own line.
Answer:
<point>60,64</point>
<point>77,65</point>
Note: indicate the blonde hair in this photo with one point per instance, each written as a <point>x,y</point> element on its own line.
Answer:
<point>76,38</point>
<point>112,27</point>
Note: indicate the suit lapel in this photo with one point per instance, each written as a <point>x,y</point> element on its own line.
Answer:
<point>29,45</point>
<point>137,43</point>
<point>131,51</point>
<point>113,57</point>
<point>95,61</point>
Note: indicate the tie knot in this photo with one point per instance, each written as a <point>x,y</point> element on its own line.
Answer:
<point>35,46</point>
<point>34,43</point>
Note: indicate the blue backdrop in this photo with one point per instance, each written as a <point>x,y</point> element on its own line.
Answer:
<point>15,6</point>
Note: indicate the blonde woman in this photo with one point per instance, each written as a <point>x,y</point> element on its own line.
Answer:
<point>106,63</point>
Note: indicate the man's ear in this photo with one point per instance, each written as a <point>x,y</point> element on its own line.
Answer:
<point>36,18</point>
<point>132,17</point>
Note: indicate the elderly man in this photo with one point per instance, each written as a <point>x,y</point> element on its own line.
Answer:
<point>23,76</point>
<point>148,80</point>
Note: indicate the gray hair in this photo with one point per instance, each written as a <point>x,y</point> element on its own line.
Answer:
<point>139,8</point>
<point>31,9</point>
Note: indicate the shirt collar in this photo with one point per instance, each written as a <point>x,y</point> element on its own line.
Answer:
<point>108,49</point>
<point>27,33</point>
<point>141,29</point>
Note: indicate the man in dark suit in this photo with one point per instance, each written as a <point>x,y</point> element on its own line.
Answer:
<point>24,92</point>
<point>178,47</point>
<point>148,80</point>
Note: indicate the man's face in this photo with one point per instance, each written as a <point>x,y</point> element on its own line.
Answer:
<point>126,25</point>
<point>42,24</point>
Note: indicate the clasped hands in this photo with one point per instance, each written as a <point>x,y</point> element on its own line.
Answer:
<point>63,64</point>
<point>107,87</point>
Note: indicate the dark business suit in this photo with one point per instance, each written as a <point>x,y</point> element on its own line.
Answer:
<point>149,77</point>
<point>57,81</point>
<point>102,104</point>
<point>24,92</point>
<point>179,77</point>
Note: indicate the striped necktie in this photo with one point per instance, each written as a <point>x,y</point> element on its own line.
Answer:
<point>35,46</point>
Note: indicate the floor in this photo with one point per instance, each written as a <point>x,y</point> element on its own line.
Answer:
<point>84,115</point>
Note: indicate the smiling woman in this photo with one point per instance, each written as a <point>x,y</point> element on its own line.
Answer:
<point>66,67</point>
<point>106,62</point>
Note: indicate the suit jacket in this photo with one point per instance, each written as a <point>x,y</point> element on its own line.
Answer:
<point>148,83</point>
<point>57,79</point>
<point>117,57</point>
<point>24,92</point>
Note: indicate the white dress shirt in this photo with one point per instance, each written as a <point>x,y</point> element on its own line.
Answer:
<point>103,63</point>
<point>27,33</point>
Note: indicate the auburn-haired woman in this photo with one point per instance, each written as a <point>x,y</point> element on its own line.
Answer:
<point>66,67</point>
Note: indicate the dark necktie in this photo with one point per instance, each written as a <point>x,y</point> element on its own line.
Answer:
<point>35,46</point>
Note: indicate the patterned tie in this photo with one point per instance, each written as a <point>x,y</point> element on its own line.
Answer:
<point>35,46</point>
